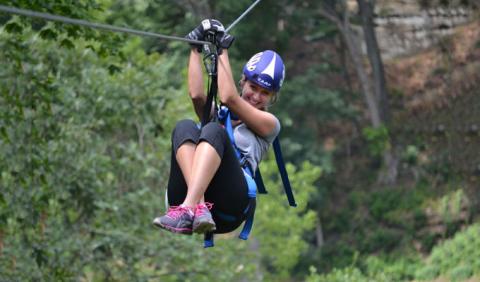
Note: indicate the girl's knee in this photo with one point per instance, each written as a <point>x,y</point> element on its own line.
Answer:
<point>185,124</point>
<point>185,130</point>
<point>214,134</point>
<point>212,129</point>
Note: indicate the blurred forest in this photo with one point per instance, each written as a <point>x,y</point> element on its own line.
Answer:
<point>380,115</point>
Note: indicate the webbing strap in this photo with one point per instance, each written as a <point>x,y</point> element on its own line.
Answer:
<point>254,182</point>
<point>210,62</point>
<point>249,212</point>
<point>225,115</point>
<point>229,129</point>
<point>212,93</point>
<point>283,172</point>
<point>252,186</point>
<point>247,226</point>
<point>208,241</point>
<point>260,185</point>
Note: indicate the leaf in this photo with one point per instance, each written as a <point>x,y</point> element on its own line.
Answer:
<point>67,43</point>
<point>4,133</point>
<point>48,33</point>
<point>13,27</point>
<point>112,69</point>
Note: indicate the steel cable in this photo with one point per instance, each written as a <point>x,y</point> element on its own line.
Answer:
<point>242,15</point>
<point>51,17</point>
<point>106,27</point>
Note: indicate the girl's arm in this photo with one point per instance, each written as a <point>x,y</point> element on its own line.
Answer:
<point>261,122</point>
<point>195,82</point>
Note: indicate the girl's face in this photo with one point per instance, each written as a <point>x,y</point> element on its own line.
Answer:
<point>255,95</point>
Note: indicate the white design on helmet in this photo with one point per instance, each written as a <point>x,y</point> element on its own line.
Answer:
<point>252,63</point>
<point>270,69</point>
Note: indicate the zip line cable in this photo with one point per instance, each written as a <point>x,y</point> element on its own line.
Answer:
<point>56,18</point>
<point>242,15</point>
<point>106,27</point>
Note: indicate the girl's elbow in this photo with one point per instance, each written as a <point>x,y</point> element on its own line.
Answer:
<point>195,95</point>
<point>198,100</point>
<point>227,100</point>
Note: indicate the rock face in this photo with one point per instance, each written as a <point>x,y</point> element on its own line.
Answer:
<point>405,27</point>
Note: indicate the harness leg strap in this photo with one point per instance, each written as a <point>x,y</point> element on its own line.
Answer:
<point>208,240</point>
<point>247,226</point>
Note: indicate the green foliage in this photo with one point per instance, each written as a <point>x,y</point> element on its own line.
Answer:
<point>385,204</point>
<point>378,139</point>
<point>277,225</point>
<point>371,268</point>
<point>107,43</point>
<point>380,238</point>
<point>79,157</point>
<point>337,275</point>
<point>382,221</point>
<point>396,268</point>
<point>85,122</point>
<point>450,206</point>
<point>303,108</point>
<point>457,258</point>
<point>84,159</point>
<point>410,155</point>
<point>345,274</point>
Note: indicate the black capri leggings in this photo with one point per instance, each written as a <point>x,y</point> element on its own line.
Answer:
<point>228,190</point>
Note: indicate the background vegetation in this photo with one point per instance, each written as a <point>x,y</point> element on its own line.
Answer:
<point>85,122</point>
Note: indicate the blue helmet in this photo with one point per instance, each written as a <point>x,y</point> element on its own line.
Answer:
<point>265,69</point>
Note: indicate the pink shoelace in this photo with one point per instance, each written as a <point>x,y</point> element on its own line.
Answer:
<point>177,211</point>
<point>200,209</point>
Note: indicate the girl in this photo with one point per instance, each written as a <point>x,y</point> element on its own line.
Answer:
<point>207,190</point>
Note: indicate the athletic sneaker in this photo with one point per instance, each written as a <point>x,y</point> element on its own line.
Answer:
<point>203,221</point>
<point>178,219</point>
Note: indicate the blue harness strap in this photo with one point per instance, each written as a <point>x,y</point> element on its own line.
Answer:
<point>250,210</point>
<point>260,185</point>
<point>283,172</point>
<point>208,241</point>
<point>254,180</point>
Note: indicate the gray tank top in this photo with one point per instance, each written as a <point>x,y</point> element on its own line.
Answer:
<point>252,146</point>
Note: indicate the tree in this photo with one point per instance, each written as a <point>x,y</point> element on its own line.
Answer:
<point>373,87</point>
<point>84,155</point>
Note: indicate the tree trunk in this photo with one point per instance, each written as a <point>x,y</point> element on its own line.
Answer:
<point>341,49</point>
<point>374,90</point>
<point>319,233</point>
<point>366,9</point>
<point>353,46</point>
<point>1,242</point>
<point>390,172</point>
<point>390,160</point>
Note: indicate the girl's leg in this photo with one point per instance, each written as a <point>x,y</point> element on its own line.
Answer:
<point>213,165</point>
<point>185,155</point>
<point>205,164</point>
<point>228,191</point>
<point>186,159</point>
<point>208,155</point>
<point>185,136</point>
<point>179,219</point>
<point>194,162</point>
<point>198,164</point>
